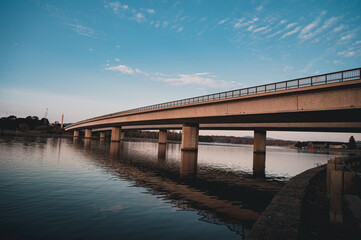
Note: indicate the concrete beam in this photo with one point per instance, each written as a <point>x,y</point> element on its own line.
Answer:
<point>102,135</point>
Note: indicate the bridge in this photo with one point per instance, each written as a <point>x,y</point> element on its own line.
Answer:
<point>329,102</point>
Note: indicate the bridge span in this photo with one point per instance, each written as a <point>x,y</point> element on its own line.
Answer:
<point>328,102</point>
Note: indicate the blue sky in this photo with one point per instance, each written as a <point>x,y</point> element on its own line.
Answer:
<point>87,58</point>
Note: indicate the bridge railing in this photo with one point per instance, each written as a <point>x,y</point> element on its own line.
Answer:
<point>341,76</point>
<point>346,75</point>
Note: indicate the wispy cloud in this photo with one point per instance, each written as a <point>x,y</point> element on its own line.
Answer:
<point>222,21</point>
<point>121,68</point>
<point>291,32</point>
<point>151,11</point>
<point>180,29</point>
<point>82,30</point>
<point>346,53</point>
<point>305,33</point>
<point>346,37</point>
<point>202,80</point>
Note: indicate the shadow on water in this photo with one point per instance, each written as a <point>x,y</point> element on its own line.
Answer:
<point>219,196</point>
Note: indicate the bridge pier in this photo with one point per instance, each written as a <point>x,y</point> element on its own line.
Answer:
<point>116,134</point>
<point>189,154</point>
<point>162,144</point>
<point>259,153</point>
<point>88,133</point>
<point>76,133</point>
<point>102,135</point>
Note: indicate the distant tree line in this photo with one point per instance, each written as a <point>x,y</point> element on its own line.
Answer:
<point>177,136</point>
<point>30,123</point>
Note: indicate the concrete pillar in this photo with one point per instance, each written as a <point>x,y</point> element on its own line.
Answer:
<point>115,134</point>
<point>259,165</point>
<point>102,135</point>
<point>76,133</point>
<point>190,134</point>
<point>259,145</point>
<point>162,137</point>
<point>189,154</point>
<point>88,133</point>
<point>87,142</point>
<point>122,135</point>
<point>336,193</point>
<point>114,149</point>
<point>162,152</point>
<point>188,165</point>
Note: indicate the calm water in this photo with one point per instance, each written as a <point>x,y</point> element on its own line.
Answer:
<point>59,189</point>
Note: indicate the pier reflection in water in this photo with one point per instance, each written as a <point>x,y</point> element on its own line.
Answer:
<point>214,198</point>
<point>111,188</point>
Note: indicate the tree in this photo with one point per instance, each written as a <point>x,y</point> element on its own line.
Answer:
<point>351,143</point>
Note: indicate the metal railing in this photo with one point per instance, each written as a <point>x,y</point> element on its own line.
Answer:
<point>346,75</point>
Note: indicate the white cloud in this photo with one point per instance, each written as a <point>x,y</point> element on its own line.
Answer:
<point>305,33</point>
<point>203,80</point>
<point>339,28</point>
<point>346,37</point>
<point>180,29</point>
<point>165,24</point>
<point>121,68</point>
<point>151,11</point>
<point>283,21</point>
<point>240,23</point>
<point>290,25</point>
<point>139,17</point>
<point>116,6</point>
<point>90,49</point>
<point>223,21</point>
<point>260,8</point>
<point>82,30</point>
<point>117,60</point>
<point>291,32</point>
<point>346,53</point>
<point>259,29</point>
<point>357,42</point>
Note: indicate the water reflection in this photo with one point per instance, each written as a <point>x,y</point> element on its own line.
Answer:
<point>87,143</point>
<point>259,165</point>
<point>220,196</point>
<point>188,164</point>
<point>162,148</point>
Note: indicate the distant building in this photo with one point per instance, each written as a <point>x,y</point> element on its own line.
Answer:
<point>326,145</point>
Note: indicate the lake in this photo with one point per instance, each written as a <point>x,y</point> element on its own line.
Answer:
<point>63,189</point>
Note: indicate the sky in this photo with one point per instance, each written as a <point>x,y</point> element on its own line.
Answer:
<point>89,58</point>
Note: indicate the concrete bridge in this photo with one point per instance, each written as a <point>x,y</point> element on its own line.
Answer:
<point>328,102</point>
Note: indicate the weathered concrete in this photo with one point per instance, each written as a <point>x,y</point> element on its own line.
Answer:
<point>87,142</point>
<point>162,137</point>
<point>88,133</point>
<point>190,133</point>
<point>188,164</point>
<point>102,135</point>
<point>340,102</point>
<point>76,133</point>
<point>115,134</point>
<point>336,193</point>
<point>162,148</point>
<point>259,165</point>
<point>281,219</point>
<point>259,145</point>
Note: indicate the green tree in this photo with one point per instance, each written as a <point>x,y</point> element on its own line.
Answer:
<point>351,143</point>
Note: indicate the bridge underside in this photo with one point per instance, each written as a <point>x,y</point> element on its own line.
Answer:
<point>317,121</point>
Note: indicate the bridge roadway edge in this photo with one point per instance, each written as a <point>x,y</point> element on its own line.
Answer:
<point>222,117</point>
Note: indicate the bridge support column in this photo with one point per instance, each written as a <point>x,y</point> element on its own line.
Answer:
<point>76,133</point>
<point>259,153</point>
<point>88,133</point>
<point>116,134</point>
<point>259,145</point>
<point>102,135</point>
<point>189,154</point>
<point>162,137</point>
<point>162,144</point>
